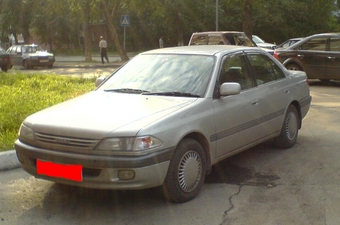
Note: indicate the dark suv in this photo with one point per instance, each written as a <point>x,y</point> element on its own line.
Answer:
<point>318,55</point>
<point>223,38</point>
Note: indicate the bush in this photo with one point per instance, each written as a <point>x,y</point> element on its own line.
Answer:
<point>23,94</point>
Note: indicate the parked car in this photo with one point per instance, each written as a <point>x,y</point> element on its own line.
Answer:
<point>223,38</point>
<point>5,61</point>
<point>30,56</point>
<point>318,55</point>
<point>164,118</point>
<point>289,42</point>
<point>261,43</point>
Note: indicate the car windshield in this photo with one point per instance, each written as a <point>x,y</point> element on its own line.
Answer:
<point>257,40</point>
<point>158,74</point>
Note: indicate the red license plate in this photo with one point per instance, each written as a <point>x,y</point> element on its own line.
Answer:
<point>64,171</point>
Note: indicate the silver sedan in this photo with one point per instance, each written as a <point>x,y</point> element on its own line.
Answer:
<point>165,118</point>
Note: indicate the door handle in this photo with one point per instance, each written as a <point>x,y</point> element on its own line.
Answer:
<point>331,58</point>
<point>300,56</point>
<point>255,102</point>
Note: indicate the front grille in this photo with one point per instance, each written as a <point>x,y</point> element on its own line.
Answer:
<point>77,143</point>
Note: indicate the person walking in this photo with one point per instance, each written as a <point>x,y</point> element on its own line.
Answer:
<point>102,48</point>
<point>161,43</point>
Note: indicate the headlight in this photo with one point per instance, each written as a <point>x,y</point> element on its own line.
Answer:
<point>26,133</point>
<point>128,143</point>
<point>51,57</point>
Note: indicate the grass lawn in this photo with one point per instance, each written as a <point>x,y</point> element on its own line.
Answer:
<point>23,94</point>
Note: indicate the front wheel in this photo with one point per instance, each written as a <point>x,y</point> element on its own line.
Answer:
<point>26,65</point>
<point>4,68</point>
<point>186,172</point>
<point>289,130</point>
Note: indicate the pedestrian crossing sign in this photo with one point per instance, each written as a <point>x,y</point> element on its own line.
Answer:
<point>125,21</point>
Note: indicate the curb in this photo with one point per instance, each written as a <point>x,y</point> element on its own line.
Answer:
<point>9,160</point>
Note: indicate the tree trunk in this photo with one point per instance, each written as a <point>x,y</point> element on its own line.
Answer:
<point>247,18</point>
<point>86,8</point>
<point>123,55</point>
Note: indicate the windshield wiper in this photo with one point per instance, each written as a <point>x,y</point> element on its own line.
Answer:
<point>127,90</point>
<point>172,93</point>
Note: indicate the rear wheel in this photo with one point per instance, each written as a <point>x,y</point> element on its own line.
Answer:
<point>293,66</point>
<point>289,130</point>
<point>186,172</point>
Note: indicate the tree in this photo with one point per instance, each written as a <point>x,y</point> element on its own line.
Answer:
<point>86,6</point>
<point>112,29</point>
<point>247,18</point>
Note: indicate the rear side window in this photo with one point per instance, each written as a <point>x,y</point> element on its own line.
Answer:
<point>264,69</point>
<point>335,44</point>
<point>315,44</point>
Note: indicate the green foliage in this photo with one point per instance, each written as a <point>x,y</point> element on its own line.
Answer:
<point>24,94</point>
<point>59,23</point>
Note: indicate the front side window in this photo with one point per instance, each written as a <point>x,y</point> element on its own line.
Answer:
<point>264,69</point>
<point>234,69</point>
<point>315,44</point>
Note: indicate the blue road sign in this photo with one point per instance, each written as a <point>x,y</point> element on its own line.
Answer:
<point>125,21</point>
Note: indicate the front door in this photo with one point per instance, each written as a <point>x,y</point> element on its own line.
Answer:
<point>237,116</point>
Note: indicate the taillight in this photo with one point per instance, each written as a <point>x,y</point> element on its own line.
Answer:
<point>276,55</point>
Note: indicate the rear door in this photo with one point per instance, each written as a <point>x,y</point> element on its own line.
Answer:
<point>314,57</point>
<point>273,90</point>
<point>237,116</point>
<point>333,58</point>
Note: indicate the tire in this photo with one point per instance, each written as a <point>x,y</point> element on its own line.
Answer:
<point>293,66</point>
<point>186,173</point>
<point>50,66</point>
<point>26,66</point>
<point>289,130</point>
<point>4,68</point>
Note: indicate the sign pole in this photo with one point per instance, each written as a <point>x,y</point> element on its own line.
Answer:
<point>125,22</point>
<point>124,36</point>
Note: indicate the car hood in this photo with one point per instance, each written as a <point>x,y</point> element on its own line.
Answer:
<point>99,114</point>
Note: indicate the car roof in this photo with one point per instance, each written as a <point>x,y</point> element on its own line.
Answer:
<point>303,40</point>
<point>25,45</point>
<point>219,32</point>
<point>200,49</point>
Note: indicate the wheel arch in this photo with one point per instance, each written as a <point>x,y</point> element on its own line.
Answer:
<point>293,61</point>
<point>200,138</point>
<point>298,108</point>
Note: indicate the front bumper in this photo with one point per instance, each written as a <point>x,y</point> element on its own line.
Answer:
<point>100,171</point>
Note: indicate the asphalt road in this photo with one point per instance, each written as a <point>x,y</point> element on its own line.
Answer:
<point>261,186</point>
